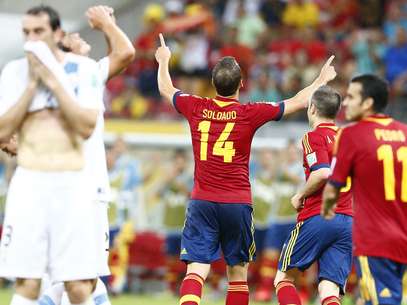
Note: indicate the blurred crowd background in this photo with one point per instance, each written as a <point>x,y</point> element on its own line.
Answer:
<point>280,46</point>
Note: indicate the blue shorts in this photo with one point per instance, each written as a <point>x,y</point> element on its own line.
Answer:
<point>277,234</point>
<point>380,280</point>
<point>173,244</point>
<point>211,227</point>
<point>329,242</point>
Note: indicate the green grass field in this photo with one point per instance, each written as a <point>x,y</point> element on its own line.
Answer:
<point>5,296</point>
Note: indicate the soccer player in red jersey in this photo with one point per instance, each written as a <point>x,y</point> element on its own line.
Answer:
<point>373,152</point>
<point>219,215</point>
<point>315,239</point>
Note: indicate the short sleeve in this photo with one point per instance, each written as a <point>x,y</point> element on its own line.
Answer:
<point>103,65</point>
<point>90,92</point>
<point>261,113</point>
<point>315,151</point>
<point>184,103</point>
<point>343,159</point>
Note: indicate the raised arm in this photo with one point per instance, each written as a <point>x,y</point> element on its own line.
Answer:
<point>301,99</point>
<point>82,120</point>
<point>120,49</point>
<point>165,86</point>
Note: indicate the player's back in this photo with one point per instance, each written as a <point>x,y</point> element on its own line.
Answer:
<point>222,130</point>
<point>318,148</point>
<point>379,186</point>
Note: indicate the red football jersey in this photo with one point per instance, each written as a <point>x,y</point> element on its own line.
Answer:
<point>317,148</point>
<point>374,152</point>
<point>222,130</point>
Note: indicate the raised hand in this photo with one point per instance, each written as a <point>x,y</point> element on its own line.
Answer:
<point>327,73</point>
<point>100,16</point>
<point>163,53</point>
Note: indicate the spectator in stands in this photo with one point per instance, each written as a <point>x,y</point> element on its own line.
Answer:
<point>301,13</point>
<point>250,27</point>
<point>396,56</point>
<point>266,89</point>
<point>396,17</point>
<point>272,11</point>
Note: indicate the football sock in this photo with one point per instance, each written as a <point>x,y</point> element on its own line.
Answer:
<point>238,293</point>
<point>100,295</point>
<point>287,293</point>
<point>20,300</point>
<point>53,295</point>
<point>191,289</point>
<point>332,300</point>
<point>268,272</point>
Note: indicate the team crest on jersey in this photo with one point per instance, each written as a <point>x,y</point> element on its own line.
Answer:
<point>311,159</point>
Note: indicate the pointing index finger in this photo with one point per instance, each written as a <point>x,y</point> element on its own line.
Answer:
<point>329,61</point>
<point>162,40</point>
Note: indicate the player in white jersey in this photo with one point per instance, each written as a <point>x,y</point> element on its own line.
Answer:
<point>121,54</point>
<point>49,225</point>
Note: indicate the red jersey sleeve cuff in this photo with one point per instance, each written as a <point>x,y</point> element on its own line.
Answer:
<point>174,99</point>
<point>336,184</point>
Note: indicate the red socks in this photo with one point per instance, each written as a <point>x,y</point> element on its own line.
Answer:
<point>191,289</point>
<point>287,294</point>
<point>331,301</point>
<point>238,293</point>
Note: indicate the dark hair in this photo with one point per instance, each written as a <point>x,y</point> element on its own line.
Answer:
<point>226,76</point>
<point>375,87</point>
<point>54,19</point>
<point>327,101</point>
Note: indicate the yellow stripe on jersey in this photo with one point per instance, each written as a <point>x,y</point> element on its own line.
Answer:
<point>367,282</point>
<point>306,145</point>
<point>190,298</point>
<point>334,128</point>
<point>290,246</point>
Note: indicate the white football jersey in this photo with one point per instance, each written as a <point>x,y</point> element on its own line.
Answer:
<point>94,147</point>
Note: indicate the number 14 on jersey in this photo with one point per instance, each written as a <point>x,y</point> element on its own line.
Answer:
<point>222,147</point>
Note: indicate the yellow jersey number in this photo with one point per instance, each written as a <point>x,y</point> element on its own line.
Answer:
<point>222,147</point>
<point>385,154</point>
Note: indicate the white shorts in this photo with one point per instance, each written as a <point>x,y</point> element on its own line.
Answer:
<point>102,236</point>
<point>49,227</point>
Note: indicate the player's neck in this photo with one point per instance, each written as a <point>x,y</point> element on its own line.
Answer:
<point>368,114</point>
<point>320,121</point>
<point>234,96</point>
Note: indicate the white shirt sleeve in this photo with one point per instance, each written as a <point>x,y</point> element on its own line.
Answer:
<point>89,93</point>
<point>104,68</point>
<point>12,81</point>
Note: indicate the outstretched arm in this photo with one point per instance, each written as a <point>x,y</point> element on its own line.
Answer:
<point>301,99</point>
<point>163,55</point>
<point>120,49</point>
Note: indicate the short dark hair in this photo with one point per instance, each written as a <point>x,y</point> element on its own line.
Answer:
<point>375,87</point>
<point>226,76</point>
<point>54,19</point>
<point>327,101</point>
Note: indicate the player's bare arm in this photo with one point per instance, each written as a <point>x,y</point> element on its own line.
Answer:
<point>165,86</point>
<point>120,49</point>
<point>81,120</point>
<point>315,181</point>
<point>301,99</point>
<point>329,198</point>
<point>13,118</point>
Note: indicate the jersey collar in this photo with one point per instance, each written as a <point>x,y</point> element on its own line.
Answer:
<point>382,119</point>
<point>224,101</point>
<point>328,125</point>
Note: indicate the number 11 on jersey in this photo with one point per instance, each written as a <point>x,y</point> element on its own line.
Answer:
<point>222,147</point>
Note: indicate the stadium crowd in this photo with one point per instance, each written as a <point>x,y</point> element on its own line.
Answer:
<point>280,46</point>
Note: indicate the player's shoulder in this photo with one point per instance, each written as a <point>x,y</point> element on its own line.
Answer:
<point>82,61</point>
<point>258,104</point>
<point>15,65</point>
<point>313,136</point>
